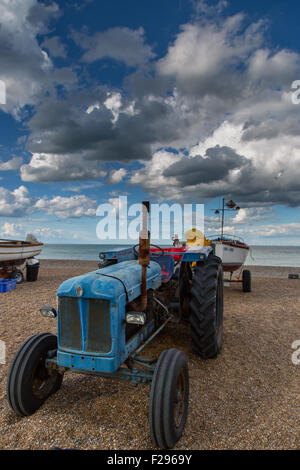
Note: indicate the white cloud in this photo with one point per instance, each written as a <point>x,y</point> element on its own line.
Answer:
<point>67,207</point>
<point>18,203</point>
<point>254,214</point>
<point>116,176</point>
<point>206,54</point>
<point>47,233</point>
<point>54,167</point>
<point>11,230</point>
<point>114,104</point>
<point>15,203</point>
<point>278,230</point>
<point>151,177</point>
<point>13,164</point>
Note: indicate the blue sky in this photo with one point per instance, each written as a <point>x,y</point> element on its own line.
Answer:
<point>172,101</point>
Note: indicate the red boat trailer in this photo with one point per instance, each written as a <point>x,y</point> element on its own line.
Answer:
<point>13,269</point>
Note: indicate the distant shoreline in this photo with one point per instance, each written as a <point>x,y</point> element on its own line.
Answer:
<point>258,255</point>
<point>257,271</point>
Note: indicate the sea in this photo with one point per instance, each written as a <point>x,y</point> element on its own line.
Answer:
<point>258,255</point>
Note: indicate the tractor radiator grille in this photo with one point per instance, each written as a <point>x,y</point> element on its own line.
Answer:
<point>98,326</point>
<point>69,323</point>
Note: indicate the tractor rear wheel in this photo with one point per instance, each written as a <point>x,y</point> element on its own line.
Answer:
<point>246,281</point>
<point>169,398</point>
<point>206,308</point>
<point>29,381</point>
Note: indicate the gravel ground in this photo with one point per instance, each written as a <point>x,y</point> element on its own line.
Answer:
<point>248,398</point>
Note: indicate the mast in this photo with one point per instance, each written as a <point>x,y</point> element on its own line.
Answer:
<point>223,210</point>
<point>231,206</point>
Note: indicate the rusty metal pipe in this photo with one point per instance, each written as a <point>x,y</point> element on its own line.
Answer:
<point>144,257</point>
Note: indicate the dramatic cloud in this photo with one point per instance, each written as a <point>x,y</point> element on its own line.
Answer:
<point>215,165</point>
<point>212,117</point>
<point>66,137</point>
<point>25,68</point>
<point>259,175</point>
<point>121,44</point>
<point>67,207</point>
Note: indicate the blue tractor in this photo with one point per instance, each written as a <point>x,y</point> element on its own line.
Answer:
<point>106,318</point>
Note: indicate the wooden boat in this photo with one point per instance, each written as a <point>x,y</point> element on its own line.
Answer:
<point>232,250</point>
<point>18,251</point>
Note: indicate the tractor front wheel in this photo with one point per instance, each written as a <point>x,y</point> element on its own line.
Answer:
<point>30,382</point>
<point>169,398</point>
<point>206,308</point>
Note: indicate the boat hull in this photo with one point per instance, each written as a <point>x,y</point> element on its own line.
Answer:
<point>12,253</point>
<point>233,255</point>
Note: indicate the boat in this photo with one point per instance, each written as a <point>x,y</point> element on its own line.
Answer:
<point>18,251</point>
<point>232,250</point>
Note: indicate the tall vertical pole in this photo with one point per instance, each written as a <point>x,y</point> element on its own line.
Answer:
<point>223,210</point>
<point>144,256</point>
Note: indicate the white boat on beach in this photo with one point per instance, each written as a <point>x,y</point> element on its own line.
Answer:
<point>232,250</point>
<point>18,251</point>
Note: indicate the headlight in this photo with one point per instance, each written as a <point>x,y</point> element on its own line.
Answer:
<point>48,312</point>
<point>137,318</point>
<point>102,256</point>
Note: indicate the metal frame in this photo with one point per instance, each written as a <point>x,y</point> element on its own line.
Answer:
<point>7,268</point>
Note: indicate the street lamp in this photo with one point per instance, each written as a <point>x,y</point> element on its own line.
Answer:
<point>231,206</point>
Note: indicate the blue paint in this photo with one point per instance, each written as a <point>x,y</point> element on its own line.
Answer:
<point>118,254</point>
<point>113,283</point>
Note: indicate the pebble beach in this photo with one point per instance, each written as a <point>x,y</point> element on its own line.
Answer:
<point>247,398</point>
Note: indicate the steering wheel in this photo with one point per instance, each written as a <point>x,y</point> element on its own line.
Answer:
<point>159,254</point>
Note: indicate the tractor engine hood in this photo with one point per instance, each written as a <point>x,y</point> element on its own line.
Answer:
<point>111,282</point>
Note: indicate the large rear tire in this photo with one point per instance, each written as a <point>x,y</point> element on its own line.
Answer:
<point>29,382</point>
<point>169,398</point>
<point>206,308</point>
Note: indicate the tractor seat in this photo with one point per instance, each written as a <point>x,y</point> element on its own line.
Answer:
<point>167,266</point>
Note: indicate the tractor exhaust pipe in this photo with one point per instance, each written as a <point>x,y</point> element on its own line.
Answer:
<point>144,255</point>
